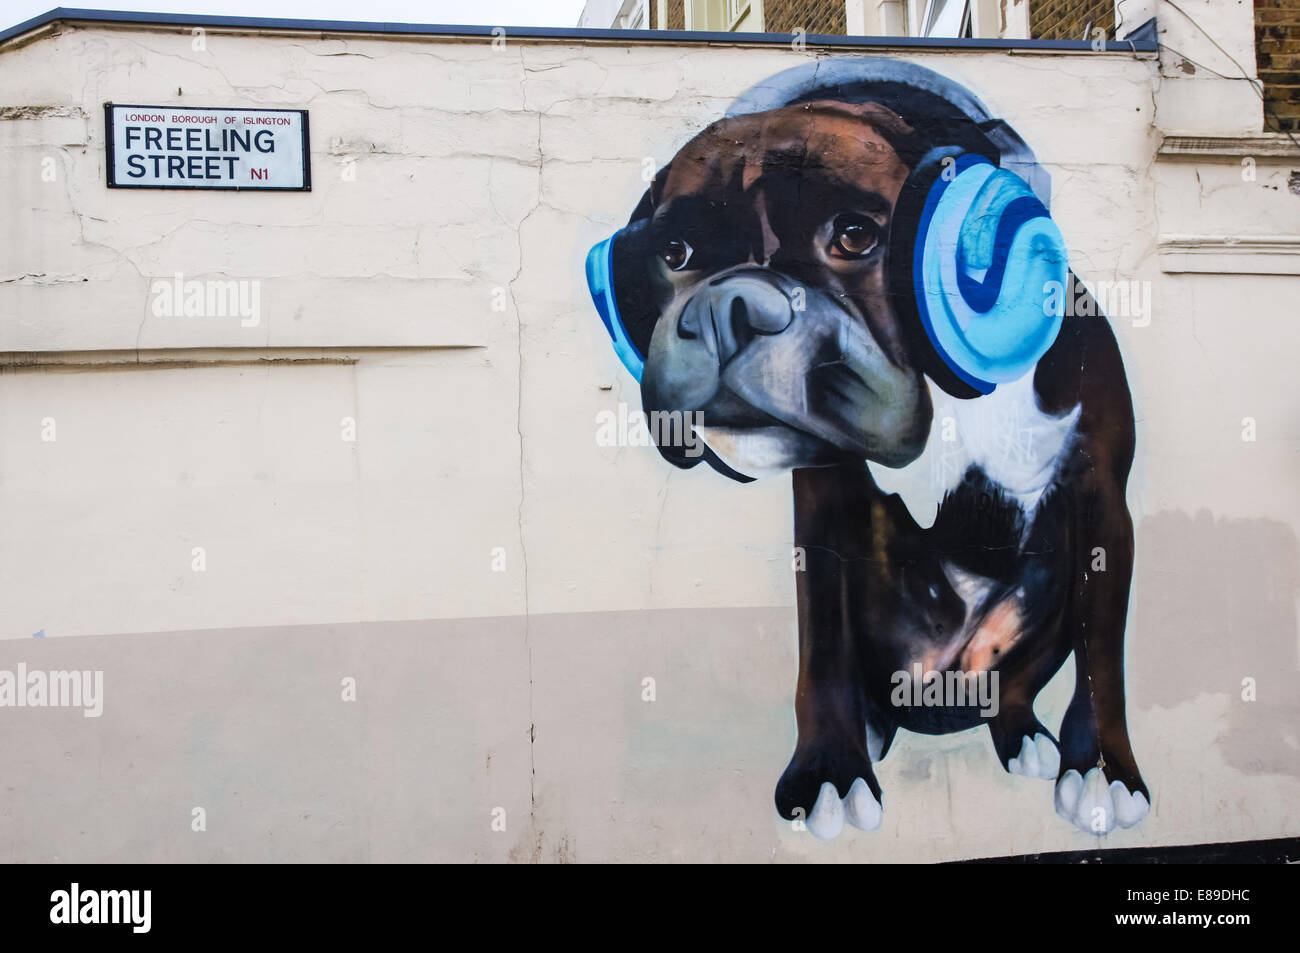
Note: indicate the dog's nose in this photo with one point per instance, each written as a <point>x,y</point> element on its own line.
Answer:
<point>739,306</point>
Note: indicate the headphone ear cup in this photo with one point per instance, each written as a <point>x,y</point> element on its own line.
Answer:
<point>906,224</point>
<point>620,288</point>
<point>638,298</point>
<point>983,260</point>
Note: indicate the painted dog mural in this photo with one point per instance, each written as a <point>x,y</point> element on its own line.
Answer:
<point>854,277</point>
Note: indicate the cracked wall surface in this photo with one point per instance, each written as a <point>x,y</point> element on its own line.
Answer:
<point>497,582</point>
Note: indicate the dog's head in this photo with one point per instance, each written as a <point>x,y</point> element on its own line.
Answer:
<point>785,284</point>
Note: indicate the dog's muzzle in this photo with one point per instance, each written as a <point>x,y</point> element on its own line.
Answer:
<point>753,349</point>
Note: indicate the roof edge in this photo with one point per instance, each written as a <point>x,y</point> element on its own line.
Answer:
<point>554,33</point>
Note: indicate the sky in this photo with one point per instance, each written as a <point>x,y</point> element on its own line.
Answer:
<point>484,12</point>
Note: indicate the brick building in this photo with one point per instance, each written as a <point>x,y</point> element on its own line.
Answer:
<point>1070,19</point>
<point>1277,57</point>
<point>1277,28</point>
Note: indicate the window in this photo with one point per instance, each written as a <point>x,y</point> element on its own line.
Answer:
<point>942,18</point>
<point>632,16</point>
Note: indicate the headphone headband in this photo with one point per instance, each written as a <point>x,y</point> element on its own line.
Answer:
<point>812,80</point>
<point>917,93</point>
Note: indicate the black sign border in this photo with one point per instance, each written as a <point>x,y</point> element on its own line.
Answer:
<point>109,143</point>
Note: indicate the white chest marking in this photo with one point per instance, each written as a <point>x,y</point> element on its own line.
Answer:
<point>1004,433</point>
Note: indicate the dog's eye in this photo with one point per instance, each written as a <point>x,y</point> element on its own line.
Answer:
<point>676,254</point>
<point>854,236</point>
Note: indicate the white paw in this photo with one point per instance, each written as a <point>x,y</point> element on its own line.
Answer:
<point>827,816</point>
<point>1095,808</point>
<point>859,807</point>
<point>1038,758</point>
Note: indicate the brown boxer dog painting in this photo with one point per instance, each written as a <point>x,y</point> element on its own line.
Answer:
<point>854,277</point>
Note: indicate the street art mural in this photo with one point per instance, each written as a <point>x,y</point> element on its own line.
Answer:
<point>854,278</point>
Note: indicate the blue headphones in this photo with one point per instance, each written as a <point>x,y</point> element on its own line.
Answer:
<point>973,213</point>
<point>600,281</point>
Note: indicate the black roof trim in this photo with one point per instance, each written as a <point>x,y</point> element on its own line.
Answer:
<point>190,20</point>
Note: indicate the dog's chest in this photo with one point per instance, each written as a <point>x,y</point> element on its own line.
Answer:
<point>1005,434</point>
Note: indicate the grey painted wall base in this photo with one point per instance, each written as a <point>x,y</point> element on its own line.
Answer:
<point>249,725</point>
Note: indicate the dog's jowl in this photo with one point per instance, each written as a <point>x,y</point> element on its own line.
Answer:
<point>849,278</point>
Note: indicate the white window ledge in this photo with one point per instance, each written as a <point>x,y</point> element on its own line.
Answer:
<point>1230,254</point>
<point>1264,145</point>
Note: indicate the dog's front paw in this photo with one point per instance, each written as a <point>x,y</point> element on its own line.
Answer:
<point>859,808</point>
<point>1038,758</point>
<point>1094,806</point>
<point>810,790</point>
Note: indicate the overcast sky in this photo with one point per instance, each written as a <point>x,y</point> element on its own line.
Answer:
<point>485,12</point>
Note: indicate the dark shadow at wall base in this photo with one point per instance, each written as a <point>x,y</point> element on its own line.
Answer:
<point>1281,850</point>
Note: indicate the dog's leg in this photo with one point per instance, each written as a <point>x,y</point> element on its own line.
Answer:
<point>1023,744</point>
<point>1100,785</point>
<point>829,780</point>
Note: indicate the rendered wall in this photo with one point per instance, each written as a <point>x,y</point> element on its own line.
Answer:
<point>499,584</point>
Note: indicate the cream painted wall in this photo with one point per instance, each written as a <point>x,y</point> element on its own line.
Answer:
<point>493,170</point>
<point>483,176</point>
